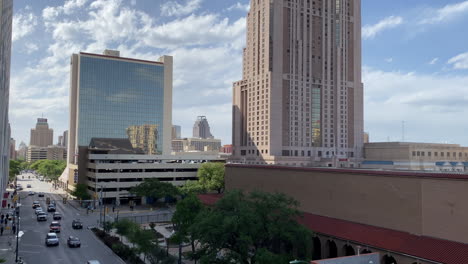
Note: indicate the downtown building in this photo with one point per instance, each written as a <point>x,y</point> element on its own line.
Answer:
<point>42,135</point>
<point>300,100</point>
<point>6,17</point>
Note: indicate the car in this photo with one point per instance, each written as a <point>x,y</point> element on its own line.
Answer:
<point>28,186</point>
<point>57,216</point>
<point>51,208</point>
<point>73,241</point>
<point>76,224</point>
<point>31,193</point>
<point>38,210</point>
<point>41,216</point>
<point>41,194</point>
<point>19,188</point>
<point>54,227</point>
<point>51,240</point>
<point>36,204</point>
<point>93,262</point>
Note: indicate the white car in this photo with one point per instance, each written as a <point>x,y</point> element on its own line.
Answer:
<point>52,239</point>
<point>38,210</point>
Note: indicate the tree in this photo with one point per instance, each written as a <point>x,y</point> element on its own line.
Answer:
<point>52,169</point>
<point>211,176</point>
<point>184,217</point>
<point>125,227</point>
<point>155,189</point>
<point>255,228</point>
<point>81,192</point>
<point>15,169</point>
<point>192,187</point>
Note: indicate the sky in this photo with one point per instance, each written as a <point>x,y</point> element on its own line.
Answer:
<point>415,60</point>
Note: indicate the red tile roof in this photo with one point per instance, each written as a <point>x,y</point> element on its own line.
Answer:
<point>414,174</point>
<point>439,250</point>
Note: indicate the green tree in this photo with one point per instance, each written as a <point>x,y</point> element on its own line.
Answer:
<point>35,165</point>
<point>255,228</point>
<point>211,176</point>
<point>191,187</point>
<point>15,169</point>
<point>184,217</point>
<point>81,192</point>
<point>125,227</point>
<point>155,189</point>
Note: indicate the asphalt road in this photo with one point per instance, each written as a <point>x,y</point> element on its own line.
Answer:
<point>32,244</point>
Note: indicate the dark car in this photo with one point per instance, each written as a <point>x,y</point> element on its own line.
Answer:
<point>29,186</point>
<point>41,217</point>
<point>54,227</point>
<point>76,224</point>
<point>57,216</point>
<point>52,240</point>
<point>73,241</point>
<point>41,194</point>
<point>31,193</point>
<point>51,208</point>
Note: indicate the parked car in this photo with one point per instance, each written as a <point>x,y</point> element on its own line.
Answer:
<point>51,208</point>
<point>54,227</point>
<point>29,185</point>
<point>41,216</point>
<point>51,240</point>
<point>76,224</point>
<point>57,216</point>
<point>41,194</point>
<point>31,193</point>
<point>93,262</point>
<point>73,241</point>
<point>36,204</point>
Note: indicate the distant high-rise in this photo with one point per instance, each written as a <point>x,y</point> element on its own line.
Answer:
<point>176,132</point>
<point>109,94</point>
<point>42,135</point>
<point>201,128</point>
<point>6,16</point>
<point>144,137</point>
<point>22,151</point>
<point>300,100</point>
<point>60,141</point>
<point>65,139</point>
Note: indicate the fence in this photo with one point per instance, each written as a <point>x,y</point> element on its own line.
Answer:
<point>149,218</point>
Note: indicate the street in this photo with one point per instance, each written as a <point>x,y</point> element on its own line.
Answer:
<point>32,244</point>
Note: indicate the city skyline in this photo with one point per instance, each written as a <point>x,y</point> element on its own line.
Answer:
<point>403,65</point>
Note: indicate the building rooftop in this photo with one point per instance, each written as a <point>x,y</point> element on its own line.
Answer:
<point>114,145</point>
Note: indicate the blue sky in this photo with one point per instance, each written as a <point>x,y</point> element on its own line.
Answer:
<point>415,60</point>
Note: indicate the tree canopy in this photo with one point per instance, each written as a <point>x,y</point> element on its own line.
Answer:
<point>15,169</point>
<point>255,228</point>
<point>81,192</point>
<point>52,169</point>
<point>210,178</point>
<point>155,189</point>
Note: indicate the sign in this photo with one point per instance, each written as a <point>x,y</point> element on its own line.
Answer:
<point>343,159</point>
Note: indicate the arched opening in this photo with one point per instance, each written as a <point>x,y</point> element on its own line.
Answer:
<point>366,251</point>
<point>348,250</point>
<point>387,259</point>
<point>332,249</point>
<point>317,249</point>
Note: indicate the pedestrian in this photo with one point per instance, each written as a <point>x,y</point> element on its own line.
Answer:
<point>14,229</point>
<point>3,216</point>
<point>8,206</point>
<point>113,208</point>
<point>1,231</point>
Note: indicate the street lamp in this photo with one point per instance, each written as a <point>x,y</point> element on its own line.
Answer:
<point>298,261</point>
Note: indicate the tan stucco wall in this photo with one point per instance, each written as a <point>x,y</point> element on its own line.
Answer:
<point>421,206</point>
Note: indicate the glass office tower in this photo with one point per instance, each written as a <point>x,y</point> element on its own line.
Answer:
<point>111,95</point>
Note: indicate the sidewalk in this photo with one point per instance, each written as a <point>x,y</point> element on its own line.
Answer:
<point>8,239</point>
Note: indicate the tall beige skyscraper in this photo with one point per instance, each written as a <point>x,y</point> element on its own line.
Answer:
<point>42,135</point>
<point>300,100</point>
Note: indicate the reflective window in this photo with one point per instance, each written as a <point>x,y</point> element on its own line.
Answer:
<point>121,99</point>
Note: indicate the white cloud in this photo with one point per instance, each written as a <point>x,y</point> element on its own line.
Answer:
<point>68,8</point>
<point>427,102</point>
<point>133,2</point>
<point>31,47</point>
<point>389,60</point>
<point>23,25</point>
<point>434,61</point>
<point>445,13</point>
<point>370,31</point>
<point>239,6</point>
<point>174,8</point>
<point>460,61</point>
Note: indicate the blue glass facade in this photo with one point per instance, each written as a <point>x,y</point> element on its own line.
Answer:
<point>115,95</point>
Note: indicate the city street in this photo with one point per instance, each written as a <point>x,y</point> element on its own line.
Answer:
<point>32,244</point>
